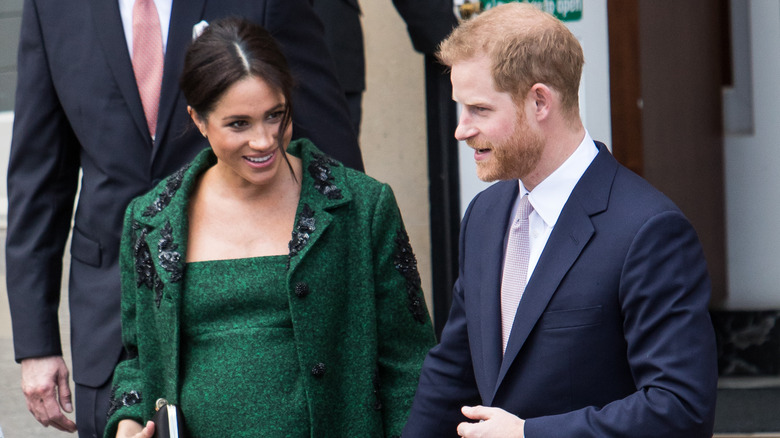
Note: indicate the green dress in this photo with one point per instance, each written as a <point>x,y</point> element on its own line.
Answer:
<point>240,371</point>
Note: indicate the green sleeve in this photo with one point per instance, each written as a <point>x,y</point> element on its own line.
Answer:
<point>404,329</point>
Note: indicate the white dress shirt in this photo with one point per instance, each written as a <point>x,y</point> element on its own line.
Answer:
<point>549,197</point>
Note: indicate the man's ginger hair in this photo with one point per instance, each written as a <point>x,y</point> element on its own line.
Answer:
<point>525,46</point>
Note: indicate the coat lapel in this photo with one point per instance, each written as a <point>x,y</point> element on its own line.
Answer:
<point>110,32</point>
<point>163,224</point>
<point>166,224</point>
<point>571,234</point>
<point>320,192</point>
<point>165,218</point>
<point>184,15</point>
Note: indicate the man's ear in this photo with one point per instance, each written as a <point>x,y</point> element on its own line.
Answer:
<point>200,123</point>
<point>542,96</point>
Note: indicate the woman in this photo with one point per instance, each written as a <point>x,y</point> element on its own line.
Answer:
<point>251,332</point>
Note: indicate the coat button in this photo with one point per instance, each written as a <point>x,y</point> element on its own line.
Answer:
<point>318,370</point>
<point>301,290</point>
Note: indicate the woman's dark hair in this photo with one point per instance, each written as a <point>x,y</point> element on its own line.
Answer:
<point>229,50</point>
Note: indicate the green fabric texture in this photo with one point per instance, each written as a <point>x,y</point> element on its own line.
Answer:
<point>360,326</point>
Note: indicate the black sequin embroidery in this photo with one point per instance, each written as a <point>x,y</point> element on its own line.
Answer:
<point>125,400</point>
<point>319,169</point>
<point>167,254</point>
<point>303,230</point>
<point>406,264</point>
<point>144,269</point>
<point>145,274</point>
<point>163,199</point>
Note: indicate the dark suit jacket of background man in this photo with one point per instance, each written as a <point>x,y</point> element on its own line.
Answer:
<point>77,107</point>
<point>428,23</point>
<point>615,311</point>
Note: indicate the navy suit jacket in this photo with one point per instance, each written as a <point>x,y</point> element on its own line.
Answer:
<point>78,109</point>
<point>612,337</point>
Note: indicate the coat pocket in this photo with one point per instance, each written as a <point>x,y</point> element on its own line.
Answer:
<point>559,319</point>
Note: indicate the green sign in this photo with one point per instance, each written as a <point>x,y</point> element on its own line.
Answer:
<point>564,10</point>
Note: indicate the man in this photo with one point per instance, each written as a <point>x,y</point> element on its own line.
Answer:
<point>79,109</point>
<point>611,336</point>
<point>427,21</point>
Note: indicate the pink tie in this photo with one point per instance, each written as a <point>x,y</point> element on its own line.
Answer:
<point>148,58</point>
<point>515,268</point>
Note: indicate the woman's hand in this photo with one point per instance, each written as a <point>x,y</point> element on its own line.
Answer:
<point>132,429</point>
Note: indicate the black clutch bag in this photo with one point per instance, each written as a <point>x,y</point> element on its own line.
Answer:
<point>168,421</point>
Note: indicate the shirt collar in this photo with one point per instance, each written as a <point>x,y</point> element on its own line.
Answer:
<point>549,197</point>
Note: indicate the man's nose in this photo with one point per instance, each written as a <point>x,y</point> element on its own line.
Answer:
<point>465,129</point>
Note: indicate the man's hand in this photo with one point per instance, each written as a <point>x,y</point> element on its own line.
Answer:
<point>46,388</point>
<point>493,422</point>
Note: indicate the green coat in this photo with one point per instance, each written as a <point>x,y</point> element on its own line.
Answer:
<point>360,322</point>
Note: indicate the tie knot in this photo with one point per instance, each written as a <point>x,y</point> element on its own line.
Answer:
<point>524,209</point>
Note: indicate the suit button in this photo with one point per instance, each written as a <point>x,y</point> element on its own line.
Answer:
<point>301,290</point>
<point>318,370</point>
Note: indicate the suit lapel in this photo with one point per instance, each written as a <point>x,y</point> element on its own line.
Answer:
<point>565,244</point>
<point>571,234</point>
<point>490,228</point>
<point>184,15</point>
<point>110,32</point>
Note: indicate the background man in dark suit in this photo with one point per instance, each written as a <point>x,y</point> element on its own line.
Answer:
<point>78,109</point>
<point>611,336</point>
<point>427,21</point>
